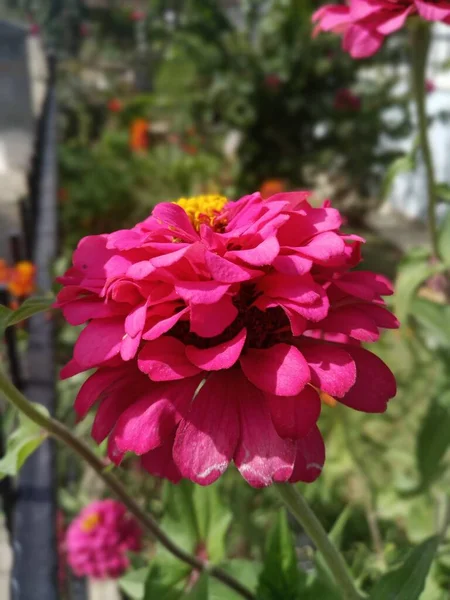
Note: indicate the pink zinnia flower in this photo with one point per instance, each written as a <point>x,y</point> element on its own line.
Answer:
<point>217,328</point>
<point>346,100</point>
<point>98,540</point>
<point>365,23</point>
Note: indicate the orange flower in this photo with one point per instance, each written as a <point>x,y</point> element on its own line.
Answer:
<point>139,139</point>
<point>21,281</point>
<point>271,187</point>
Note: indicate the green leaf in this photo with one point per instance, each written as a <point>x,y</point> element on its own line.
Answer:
<point>196,515</point>
<point>155,587</point>
<point>133,583</point>
<point>433,439</point>
<point>28,308</point>
<point>408,581</point>
<point>413,271</point>
<point>245,571</point>
<point>435,320</point>
<point>200,591</point>
<point>5,314</point>
<point>281,578</point>
<point>404,164</point>
<point>214,520</point>
<point>442,191</point>
<point>21,444</point>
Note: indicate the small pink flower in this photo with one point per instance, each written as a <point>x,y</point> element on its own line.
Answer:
<point>98,540</point>
<point>346,100</point>
<point>365,23</point>
<point>217,328</point>
<point>430,86</point>
<point>137,15</point>
<point>34,29</point>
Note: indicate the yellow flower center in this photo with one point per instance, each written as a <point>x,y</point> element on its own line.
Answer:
<point>202,209</point>
<point>90,522</point>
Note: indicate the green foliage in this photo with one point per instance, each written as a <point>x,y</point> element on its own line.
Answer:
<point>403,164</point>
<point>433,439</point>
<point>21,444</point>
<point>414,269</point>
<point>281,578</point>
<point>408,581</point>
<point>204,517</point>
<point>254,78</point>
<point>29,307</point>
<point>133,583</point>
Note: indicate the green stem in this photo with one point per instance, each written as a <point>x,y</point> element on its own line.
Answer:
<point>148,523</point>
<point>420,43</point>
<point>313,528</point>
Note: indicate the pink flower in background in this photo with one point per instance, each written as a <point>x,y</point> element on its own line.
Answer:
<point>346,100</point>
<point>430,86</point>
<point>365,23</point>
<point>217,328</point>
<point>272,81</point>
<point>98,540</point>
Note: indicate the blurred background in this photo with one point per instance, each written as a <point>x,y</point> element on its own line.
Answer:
<point>108,107</point>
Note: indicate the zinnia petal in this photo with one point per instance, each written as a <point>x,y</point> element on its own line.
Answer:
<point>206,439</point>
<point>280,370</point>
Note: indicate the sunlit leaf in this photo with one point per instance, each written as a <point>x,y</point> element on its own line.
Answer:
<point>133,583</point>
<point>21,444</point>
<point>408,581</point>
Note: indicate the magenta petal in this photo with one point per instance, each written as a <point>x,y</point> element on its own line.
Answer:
<point>332,369</point>
<point>433,11</point>
<point>159,462</point>
<point>261,255</point>
<point>226,271</point>
<point>323,246</point>
<point>209,320</point>
<point>165,360</point>
<point>309,458</point>
<point>201,292</point>
<point>361,41</point>
<point>292,264</point>
<point>206,439</point>
<point>222,356</point>
<point>176,219</point>
<point>70,369</point>
<point>98,342</point>
<point>108,412</point>
<point>294,416</point>
<point>352,321</point>
<point>375,384</point>
<point>147,422</point>
<point>262,456</point>
<point>93,388</point>
<point>280,370</point>
<point>134,324</point>
<point>163,325</point>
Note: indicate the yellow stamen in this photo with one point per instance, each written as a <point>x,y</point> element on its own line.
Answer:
<point>90,522</point>
<point>327,399</point>
<point>202,209</point>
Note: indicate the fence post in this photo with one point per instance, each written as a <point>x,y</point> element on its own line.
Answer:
<point>35,536</point>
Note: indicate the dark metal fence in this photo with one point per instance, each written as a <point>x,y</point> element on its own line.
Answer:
<point>31,507</point>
